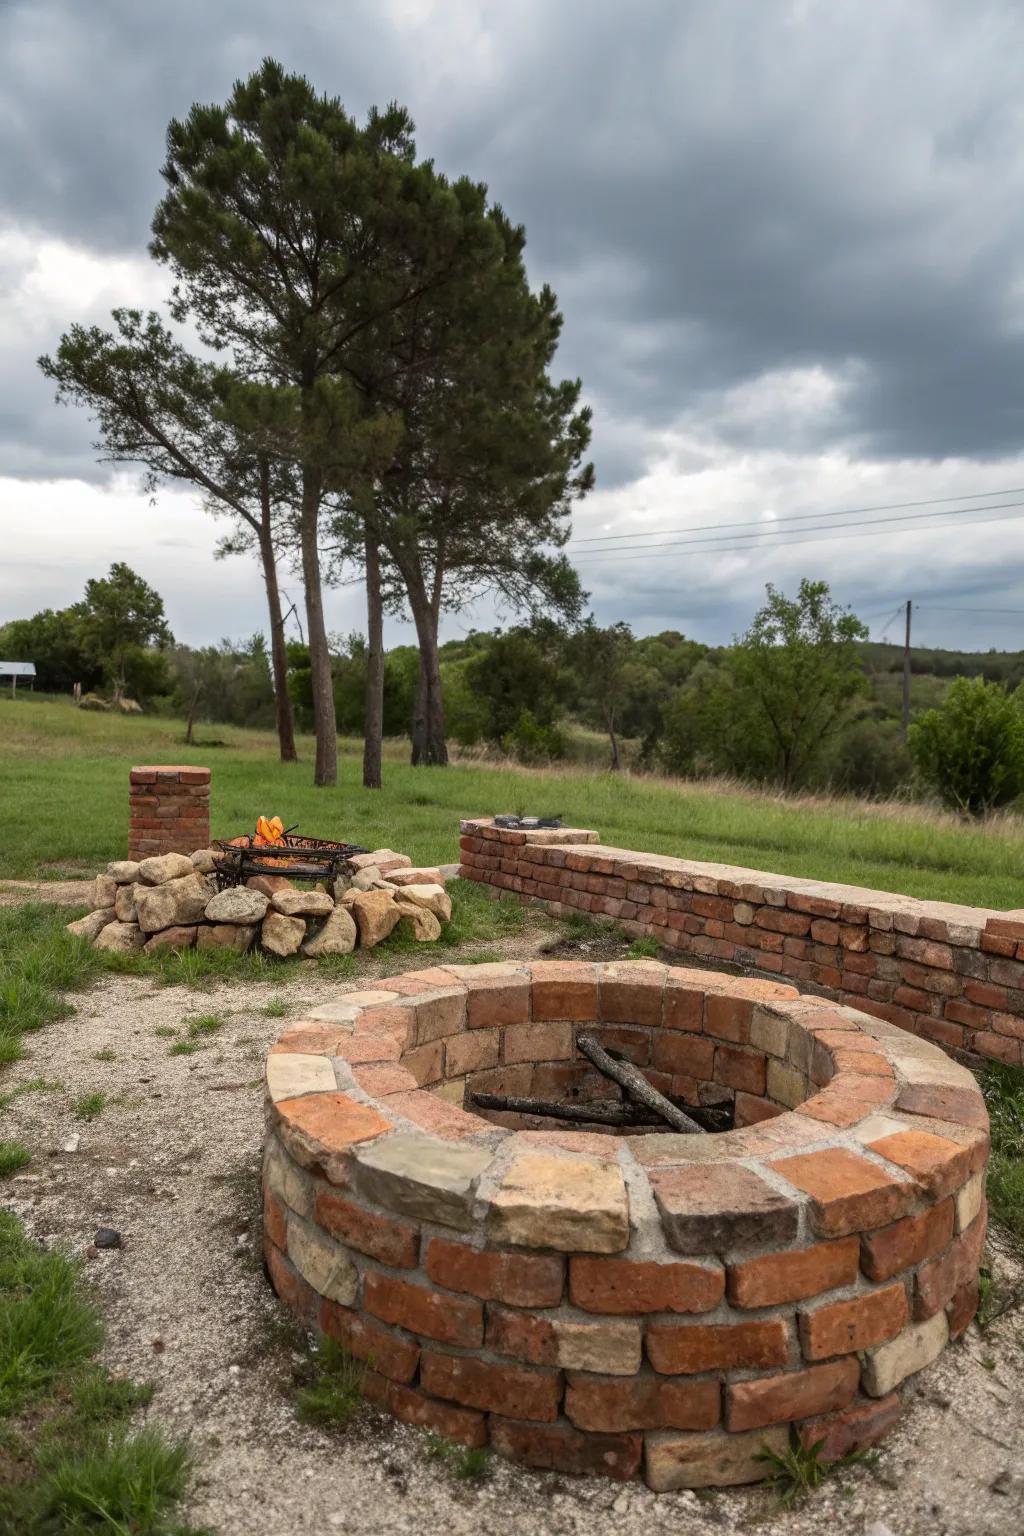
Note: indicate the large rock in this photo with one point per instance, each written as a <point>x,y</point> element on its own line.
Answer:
<point>237,905</point>
<point>124,871</point>
<point>423,925</point>
<point>282,935</point>
<point>376,914</point>
<point>179,901</point>
<point>336,937</point>
<point>268,884</point>
<point>434,897</point>
<point>171,938</point>
<point>124,904</point>
<point>206,860</point>
<point>120,937</point>
<point>302,903</point>
<point>93,923</point>
<point>371,880</point>
<point>165,866</point>
<point>104,891</point>
<point>383,859</point>
<point>414,876</point>
<point>236,936</point>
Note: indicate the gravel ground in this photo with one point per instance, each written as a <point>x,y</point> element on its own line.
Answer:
<point>173,1164</point>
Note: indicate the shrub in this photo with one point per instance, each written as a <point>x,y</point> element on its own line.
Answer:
<point>970,750</point>
<point>531,742</point>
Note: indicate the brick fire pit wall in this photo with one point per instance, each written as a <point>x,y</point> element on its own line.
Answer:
<point>168,810</point>
<point>655,1303</point>
<point>950,973</point>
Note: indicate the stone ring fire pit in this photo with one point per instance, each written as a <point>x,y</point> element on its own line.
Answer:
<point>605,1302</point>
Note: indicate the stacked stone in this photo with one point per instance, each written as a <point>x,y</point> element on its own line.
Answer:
<point>168,810</point>
<point>599,1304</point>
<point>950,973</point>
<point>171,901</point>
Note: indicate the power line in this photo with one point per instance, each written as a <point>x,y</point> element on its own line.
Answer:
<point>735,542</point>
<point>946,608</point>
<point>799,517</point>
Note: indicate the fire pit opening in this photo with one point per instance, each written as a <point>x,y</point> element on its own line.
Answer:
<point>620,1298</point>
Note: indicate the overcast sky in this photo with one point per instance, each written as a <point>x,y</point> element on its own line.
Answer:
<point>787,239</point>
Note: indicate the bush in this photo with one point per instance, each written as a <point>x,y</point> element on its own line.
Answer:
<point>531,742</point>
<point>970,751</point>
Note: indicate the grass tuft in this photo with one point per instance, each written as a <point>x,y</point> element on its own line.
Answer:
<point>335,1394</point>
<point>205,1024</point>
<point>799,1469</point>
<point>12,1157</point>
<point>470,1464</point>
<point>90,1106</point>
<point>277,1008</point>
<point>1004,1094</point>
<point>47,1328</point>
<point>643,949</point>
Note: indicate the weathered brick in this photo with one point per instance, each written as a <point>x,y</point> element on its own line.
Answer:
<point>558,1448</point>
<point>471,1052</point>
<point>692,1055</point>
<point>391,1242</point>
<point>709,1208</point>
<point>493,1388</point>
<point>275,1219</point>
<point>937,1163</point>
<point>728,1018</point>
<point>906,1242</point>
<point>802,1272</point>
<point>610,1348</point>
<point>940,1278</point>
<point>794,1395</point>
<point>642,1402</point>
<point>564,990</point>
<point>464,1425</point>
<point>631,1286</point>
<point>449,1319</point>
<point>848,1193</point>
<point>571,1204</point>
<point>497,1000</point>
<point>840,1327</point>
<point>683,1004</point>
<point>854,1429</point>
<point>909,1352</point>
<point>736,1068</point>
<point>520,1279</point>
<point>713,1460</point>
<point>538,1042</point>
<point>631,994</point>
<point>680,1349</point>
<point>389,1353</point>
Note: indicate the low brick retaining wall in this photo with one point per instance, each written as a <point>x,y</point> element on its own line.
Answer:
<point>661,1303</point>
<point>950,973</point>
<point>168,810</point>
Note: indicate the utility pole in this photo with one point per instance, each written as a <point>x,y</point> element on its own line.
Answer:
<point>906,672</point>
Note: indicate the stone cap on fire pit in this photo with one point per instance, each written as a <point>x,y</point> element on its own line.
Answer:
<point>534,1288</point>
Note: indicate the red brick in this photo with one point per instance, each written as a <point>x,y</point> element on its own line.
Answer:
<point>610,1403</point>
<point>633,1044</point>
<point>854,1429</point>
<point>632,995</point>
<point>412,1407</point>
<point>449,1319</point>
<point>564,990</point>
<point>678,1349</point>
<point>708,1208</point>
<point>906,1243</point>
<point>525,1336</point>
<point>389,1353</point>
<point>692,1055</point>
<point>497,1000</point>
<point>557,1448</point>
<point>841,1327</point>
<point>793,1276</point>
<point>683,1004</point>
<point>521,1280</point>
<point>493,1388</point>
<point>997,1047</point>
<point>436,1115</point>
<point>297,1296</point>
<point>275,1219</point>
<point>627,1286</point>
<point>937,1163</point>
<point>939,1280</point>
<point>740,1069</point>
<point>538,1042</point>
<point>848,1193</point>
<point>794,1395</point>
<point>728,1018</point>
<point>940,1101</point>
<point>390,1242</point>
<point>963,1306</point>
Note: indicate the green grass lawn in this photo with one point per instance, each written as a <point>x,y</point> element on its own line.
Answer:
<point>64,792</point>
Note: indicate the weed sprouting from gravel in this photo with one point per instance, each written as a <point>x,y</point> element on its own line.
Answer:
<point>185,1047</point>
<point>335,1394</point>
<point>277,1008</point>
<point>799,1469</point>
<point>89,1106</point>
<point>165,1031</point>
<point>205,1024</point>
<point>470,1464</point>
<point>105,1055</point>
<point>13,1155</point>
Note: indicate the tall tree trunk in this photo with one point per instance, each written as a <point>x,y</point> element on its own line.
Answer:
<point>325,771</point>
<point>613,739</point>
<point>278,650</point>
<point>429,745</point>
<point>373,724</point>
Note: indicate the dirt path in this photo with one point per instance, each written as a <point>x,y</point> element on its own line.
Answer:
<point>62,893</point>
<point>173,1164</point>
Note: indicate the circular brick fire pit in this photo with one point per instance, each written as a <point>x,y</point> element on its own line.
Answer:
<point>644,1301</point>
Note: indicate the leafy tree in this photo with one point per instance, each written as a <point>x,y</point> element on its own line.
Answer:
<point>276,206</point>
<point>53,640</point>
<point>516,676</point>
<point>157,405</point>
<point>121,613</point>
<point>795,672</point>
<point>970,751</point>
<point>605,666</point>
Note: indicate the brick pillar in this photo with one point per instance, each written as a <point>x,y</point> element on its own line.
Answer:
<point>168,810</point>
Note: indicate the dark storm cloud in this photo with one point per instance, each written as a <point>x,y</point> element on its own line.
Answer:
<point>717,192</point>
